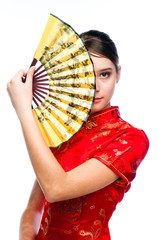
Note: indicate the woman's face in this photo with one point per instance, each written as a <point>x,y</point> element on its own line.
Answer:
<point>106,78</point>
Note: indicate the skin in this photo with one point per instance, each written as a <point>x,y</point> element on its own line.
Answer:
<point>52,182</point>
<point>106,79</point>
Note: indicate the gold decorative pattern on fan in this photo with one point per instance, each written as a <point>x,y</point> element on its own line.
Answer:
<point>63,83</point>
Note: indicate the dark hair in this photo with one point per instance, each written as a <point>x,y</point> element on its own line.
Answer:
<point>101,43</point>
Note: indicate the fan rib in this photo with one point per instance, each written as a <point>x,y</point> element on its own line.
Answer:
<point>76,85</point>
<point>42,80</point>
<point>51,132</point>
<point>67,112</point>
<point>79,73</point>
<point>80,91</point>
<point>61,59</point>
<point>53,129</point>
<point>38,73</point>
<point>37,98</point>
<point>77,101</point>
<point>56,132</point>
<point>38,90</point>
<point>75,95</point>
<point>66,39</point>
<point>74,76</point>
<point>47,139</point>
<point>37,78</point>
<point>74,113</point>
<point>66,42</point>
<point>71,64</point>
<point>40,84</point>
<point>42,88</point>
<point>85,80</point>
<point>37,93</point>
<point>71,104</point>
<point>38,69</point>
<point>35,101</point>
<point>60,123</point>
<point>73,50</point>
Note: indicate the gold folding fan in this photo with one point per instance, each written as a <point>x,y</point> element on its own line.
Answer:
<point>63,83</point>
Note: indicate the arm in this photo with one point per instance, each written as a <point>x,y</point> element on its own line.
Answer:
<point>31,217</point>
<point>55,183</point>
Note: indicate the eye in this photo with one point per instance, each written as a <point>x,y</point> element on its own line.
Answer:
<point>105,74</point>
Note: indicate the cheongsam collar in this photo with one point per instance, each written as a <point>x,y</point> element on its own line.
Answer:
<point>109,115</point>
<point>114,110</point>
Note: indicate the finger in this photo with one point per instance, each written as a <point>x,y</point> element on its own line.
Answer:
<point>30,74</point>
<point>19,75</point>
<point>8,87</point>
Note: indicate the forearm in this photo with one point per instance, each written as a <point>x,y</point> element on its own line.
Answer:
<point>29,224</point>
<point>47,169</point>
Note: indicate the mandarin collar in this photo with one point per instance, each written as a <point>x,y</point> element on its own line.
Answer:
<point>112,112</point>
<point>96,119</point>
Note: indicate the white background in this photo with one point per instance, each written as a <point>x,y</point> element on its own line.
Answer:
<point>133,25</point>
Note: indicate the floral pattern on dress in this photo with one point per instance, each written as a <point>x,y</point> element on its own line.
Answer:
<point>121,147</point>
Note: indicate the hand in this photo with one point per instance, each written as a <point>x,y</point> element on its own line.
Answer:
<point>21,92</point>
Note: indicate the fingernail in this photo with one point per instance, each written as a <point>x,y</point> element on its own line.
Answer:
<point>32,68</point>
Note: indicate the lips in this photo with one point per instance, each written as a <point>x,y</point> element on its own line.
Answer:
<point>97,99</point>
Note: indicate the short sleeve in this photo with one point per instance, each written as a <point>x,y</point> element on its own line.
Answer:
<point>124,154</point>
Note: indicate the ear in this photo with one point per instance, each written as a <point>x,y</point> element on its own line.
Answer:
<point>118,74</point>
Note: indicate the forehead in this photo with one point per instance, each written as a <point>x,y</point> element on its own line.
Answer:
<point>101,62</point>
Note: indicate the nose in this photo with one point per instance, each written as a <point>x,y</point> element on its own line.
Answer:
<point>97,85</point>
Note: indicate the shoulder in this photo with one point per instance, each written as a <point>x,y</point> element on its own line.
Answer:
<point>136,136</point>
<point>123,149</point>
<point>134,130</point>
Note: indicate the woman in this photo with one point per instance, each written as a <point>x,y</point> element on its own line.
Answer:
<point>79,184</point>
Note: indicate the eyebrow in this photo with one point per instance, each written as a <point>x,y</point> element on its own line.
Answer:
<point>105,69</point>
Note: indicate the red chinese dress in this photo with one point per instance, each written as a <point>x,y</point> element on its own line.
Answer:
<point>117,144</point>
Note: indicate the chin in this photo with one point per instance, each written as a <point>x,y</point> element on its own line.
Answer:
<point>97,108</point>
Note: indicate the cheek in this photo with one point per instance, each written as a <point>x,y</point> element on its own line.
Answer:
<point>108,88</point>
